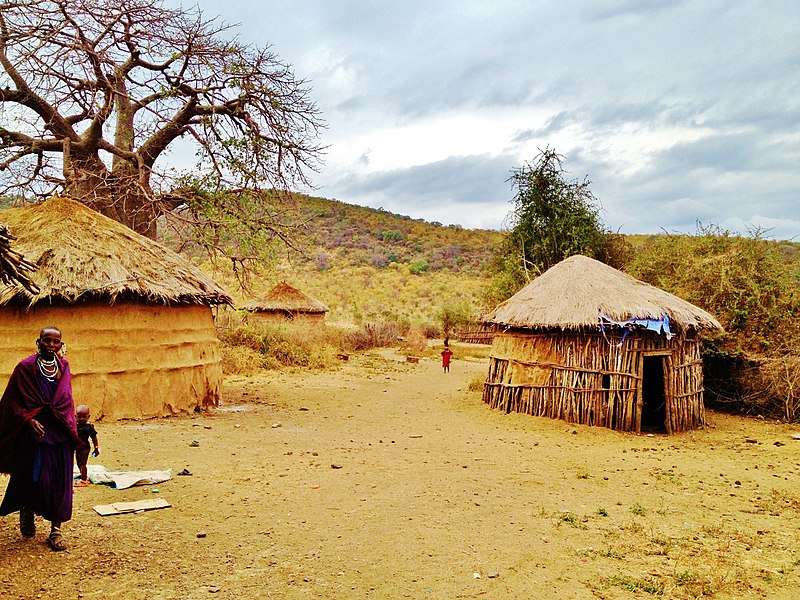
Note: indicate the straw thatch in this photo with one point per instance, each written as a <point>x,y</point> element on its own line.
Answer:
<point>14,269</point>
<point>572,294</point>
<point>287,300</point>
<point>552,357</point>
<point>83,255</point>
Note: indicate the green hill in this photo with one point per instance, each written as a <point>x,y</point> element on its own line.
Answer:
<point>370,264</point>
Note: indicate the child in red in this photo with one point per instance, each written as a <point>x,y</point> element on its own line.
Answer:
<point>446,354</point>
<point>85,431</point>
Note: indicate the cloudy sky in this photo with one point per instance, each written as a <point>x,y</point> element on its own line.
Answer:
<point>678,112</point>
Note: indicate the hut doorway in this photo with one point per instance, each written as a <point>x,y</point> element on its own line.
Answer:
<point>654,399</point>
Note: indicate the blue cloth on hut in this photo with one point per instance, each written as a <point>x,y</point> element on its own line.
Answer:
<point>658,326</point>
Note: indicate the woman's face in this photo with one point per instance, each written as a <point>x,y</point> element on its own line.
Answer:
<point>49,342</point>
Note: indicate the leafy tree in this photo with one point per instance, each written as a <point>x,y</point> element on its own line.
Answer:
<point>453,314</point>
<point>93,93</point>
<point>553,218</point>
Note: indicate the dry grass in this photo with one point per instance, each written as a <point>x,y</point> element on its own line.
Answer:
<point>251,346</point>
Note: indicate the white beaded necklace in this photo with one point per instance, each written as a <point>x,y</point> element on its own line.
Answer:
<point>48,368</point>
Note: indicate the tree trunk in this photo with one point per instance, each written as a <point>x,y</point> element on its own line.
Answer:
<point>123,195</point>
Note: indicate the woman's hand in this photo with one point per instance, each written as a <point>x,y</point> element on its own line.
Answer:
<point>37,428</point>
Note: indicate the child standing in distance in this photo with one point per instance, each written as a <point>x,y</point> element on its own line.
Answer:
<point>86,431</point>
<point>446,354</point>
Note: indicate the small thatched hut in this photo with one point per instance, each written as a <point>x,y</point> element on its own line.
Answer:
<point>283,302</point>
<point>136,317</point>
<point>589,344</point>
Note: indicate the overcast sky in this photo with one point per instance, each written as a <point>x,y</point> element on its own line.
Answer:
<point>678,112</point>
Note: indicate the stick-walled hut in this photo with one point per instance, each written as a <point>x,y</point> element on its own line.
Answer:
<point>284,302</point>
<point>136,317</point>
<point>589,344</point>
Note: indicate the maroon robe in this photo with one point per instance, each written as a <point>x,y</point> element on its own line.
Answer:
<point>41,469</point>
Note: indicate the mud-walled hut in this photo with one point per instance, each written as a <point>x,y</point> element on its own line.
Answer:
<point>286,303</point>
<point>589,344</point>
<point>136,317</point>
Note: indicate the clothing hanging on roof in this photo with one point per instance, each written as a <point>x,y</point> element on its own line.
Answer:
<point>659,326</point>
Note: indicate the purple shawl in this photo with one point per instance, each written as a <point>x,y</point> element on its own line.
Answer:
<point>24,399</point>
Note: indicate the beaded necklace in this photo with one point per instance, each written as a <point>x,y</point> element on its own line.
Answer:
<point>48,368</point>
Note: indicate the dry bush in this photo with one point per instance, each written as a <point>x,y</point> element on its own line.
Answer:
<point>292,343</point>
<point>381,334</point>
<point>431,331</point>
<point>415,340</point>
<point>476,384</point>
<point>241,360</point>
<point>773,386</point>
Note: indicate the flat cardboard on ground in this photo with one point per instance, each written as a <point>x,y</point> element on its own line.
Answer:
<point>119,508</point>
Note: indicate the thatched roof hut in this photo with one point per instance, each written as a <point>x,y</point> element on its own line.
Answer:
<point>136,316</point>
<point>284,302</point>
<point>589,344</point>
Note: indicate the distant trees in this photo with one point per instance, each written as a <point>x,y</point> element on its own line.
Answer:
<point>93,93</point>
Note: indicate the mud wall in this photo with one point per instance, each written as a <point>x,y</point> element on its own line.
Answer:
<point>128,360</point>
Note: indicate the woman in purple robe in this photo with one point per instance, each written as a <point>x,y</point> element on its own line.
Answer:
<point>37,439</point>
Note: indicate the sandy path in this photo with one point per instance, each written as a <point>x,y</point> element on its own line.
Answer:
<point>383,479</point>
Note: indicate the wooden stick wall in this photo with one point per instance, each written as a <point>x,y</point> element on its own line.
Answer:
<point>594,379</point>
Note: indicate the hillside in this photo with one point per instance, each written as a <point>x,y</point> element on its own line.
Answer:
<point>369,264</point>
<point>355,235</point>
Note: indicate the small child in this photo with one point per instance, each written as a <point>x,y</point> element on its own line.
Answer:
<point>85,431</point>
<point>446,354</point>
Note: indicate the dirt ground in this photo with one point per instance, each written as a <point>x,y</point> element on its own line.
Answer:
<point>384,479</point>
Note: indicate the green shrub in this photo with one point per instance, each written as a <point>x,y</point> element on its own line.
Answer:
<point>418,265</point>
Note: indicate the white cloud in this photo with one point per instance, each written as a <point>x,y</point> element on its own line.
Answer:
<point>677,111</point>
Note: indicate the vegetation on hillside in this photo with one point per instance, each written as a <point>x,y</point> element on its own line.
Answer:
<point>363,263</point>
<point>752,286</point>
<point>344,234</point>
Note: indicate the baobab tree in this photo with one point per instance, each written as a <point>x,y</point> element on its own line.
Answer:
<point>93,93</point>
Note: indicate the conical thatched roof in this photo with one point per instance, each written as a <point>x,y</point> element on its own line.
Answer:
<point>576,291</point>
<point>81,254</point>
<point>285,298</point>
<point>13,266</point>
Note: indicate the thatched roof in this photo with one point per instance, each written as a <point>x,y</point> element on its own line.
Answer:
<point>13,266</point>
<point>285,298</point>
<point>81,254</point>
<point>575,292</point>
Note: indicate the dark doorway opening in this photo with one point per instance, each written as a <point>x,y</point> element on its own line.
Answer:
<point>654,405</point>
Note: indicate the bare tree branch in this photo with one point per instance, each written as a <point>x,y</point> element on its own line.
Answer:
<point>118,83</point>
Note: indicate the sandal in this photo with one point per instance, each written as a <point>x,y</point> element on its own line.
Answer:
<point>27,526</point>
<point>81,483</point>
<point>56,541</point>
